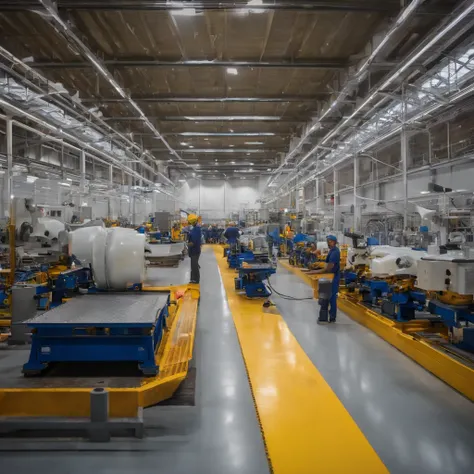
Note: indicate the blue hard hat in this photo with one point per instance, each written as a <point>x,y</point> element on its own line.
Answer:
<point>331,237</point>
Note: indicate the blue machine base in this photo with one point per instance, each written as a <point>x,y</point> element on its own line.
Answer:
<point>123,342</point>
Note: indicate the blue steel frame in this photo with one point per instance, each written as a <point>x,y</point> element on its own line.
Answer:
<point>252,281</point>
<point>117,342</point>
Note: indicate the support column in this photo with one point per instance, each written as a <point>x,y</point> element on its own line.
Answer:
<point>316,193</point>
<point>404,151</point>
<point>336,199</point>
<point>404,158</point>
<point>130,198</point>
<point>83,172</point>
<point>9,176</point>
<point>111,184</point>
<point>357,211</point>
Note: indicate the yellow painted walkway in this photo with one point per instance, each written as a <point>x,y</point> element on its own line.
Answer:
<point>305,427</point>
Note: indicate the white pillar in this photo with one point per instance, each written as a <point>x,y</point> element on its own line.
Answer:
<point>357,210</point>
<point>404,158</point>
<point>83,172</point>
<point>335,193</point>
<point>9,176</point>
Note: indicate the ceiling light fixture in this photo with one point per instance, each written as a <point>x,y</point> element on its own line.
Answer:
<point>254,143</point>
<point>184,12</point>
<point>232,71</point>
<point>232,162</point>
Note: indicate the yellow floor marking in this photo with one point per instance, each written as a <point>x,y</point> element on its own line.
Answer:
<point>305,426</point>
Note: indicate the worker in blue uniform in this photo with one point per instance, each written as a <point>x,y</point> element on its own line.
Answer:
<point>232,235</point>
<point>194,247</point>
<point>333,262</point>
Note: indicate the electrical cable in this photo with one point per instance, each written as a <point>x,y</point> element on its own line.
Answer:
<point>286,297</point>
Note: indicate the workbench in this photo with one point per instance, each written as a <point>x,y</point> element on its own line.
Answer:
<point>102,327</point>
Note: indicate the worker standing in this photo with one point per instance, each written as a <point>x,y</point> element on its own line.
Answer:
<point>232,234</point>
<point>332,266</point>
<point>194,247</point>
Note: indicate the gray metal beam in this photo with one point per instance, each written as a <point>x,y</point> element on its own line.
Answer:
<point>316,63</point>
<point>165,100</point>
<point>210,118</point>
<point>389,6</point>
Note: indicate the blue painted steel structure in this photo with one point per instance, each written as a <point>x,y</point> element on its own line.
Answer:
<point>456,317</point>
<point>127,339</point>
<point>252,280</point>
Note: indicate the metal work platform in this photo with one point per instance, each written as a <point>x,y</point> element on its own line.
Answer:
<point>100,327</point>
<point>64,389</point>
<point>110,309</point>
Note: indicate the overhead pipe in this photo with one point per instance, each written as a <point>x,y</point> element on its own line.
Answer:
<point>469,8</point>
<point>16,111</point>
<point>316,63</point>
<point>66,31</point>
<point>352,82</point>
<point>58,91</point>
<point>435,107</point>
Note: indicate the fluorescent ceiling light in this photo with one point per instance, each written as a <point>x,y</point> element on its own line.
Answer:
<point>184,12</point>
<point>231,146</point>
<point>232,118</point>
<point>65,184</point>
<point>269,169</point>
<point>31,179</point>
<point>424,192</point>
<point>232,71</point>
<point>68,179</point>
<point>232,162</point>
<point>191,146</point>
<point>183,143</point>
<point>251,164</point>
<point>254,143</point>
<point>182,180</point>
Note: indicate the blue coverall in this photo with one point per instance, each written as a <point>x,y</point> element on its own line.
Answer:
<point>334,257</point>
<point>194,250</point>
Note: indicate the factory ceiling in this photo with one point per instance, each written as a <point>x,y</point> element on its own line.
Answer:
<point>207,86</point>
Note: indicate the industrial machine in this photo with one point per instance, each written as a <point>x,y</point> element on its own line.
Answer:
<point>252,277</point>
<point>449,282</point>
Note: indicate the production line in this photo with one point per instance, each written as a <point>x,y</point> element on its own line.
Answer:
<point>237,237</point>
<point>100,306</point>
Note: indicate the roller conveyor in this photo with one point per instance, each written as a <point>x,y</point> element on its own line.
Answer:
<point>99,328</point>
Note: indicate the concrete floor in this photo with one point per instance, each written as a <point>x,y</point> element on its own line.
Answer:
<point>219,435</point>
<point>414,421</point>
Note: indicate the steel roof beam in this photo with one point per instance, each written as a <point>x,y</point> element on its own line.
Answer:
<point>51,15</point>
<point>316,63</point>
<point>210,118</point>
<point>164,99</point>
<point>389,6</point>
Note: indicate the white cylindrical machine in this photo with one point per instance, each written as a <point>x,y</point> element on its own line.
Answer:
<point>81,241</point>
<point>117,255</point>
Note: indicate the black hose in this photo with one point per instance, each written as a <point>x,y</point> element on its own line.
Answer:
<point>286,297</point>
